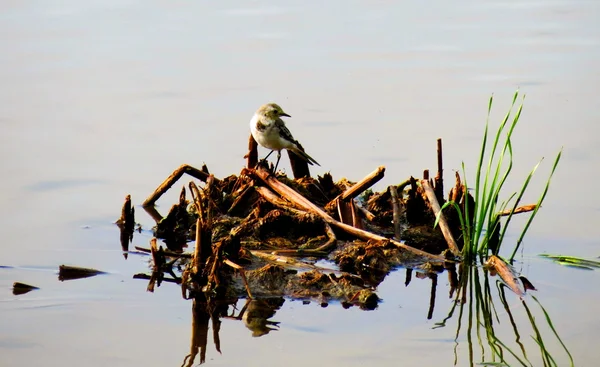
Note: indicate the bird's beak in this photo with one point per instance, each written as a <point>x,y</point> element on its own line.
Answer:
<point>284,114</point>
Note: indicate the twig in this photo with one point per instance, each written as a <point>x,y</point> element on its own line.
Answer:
<point>435,206</point>
<point>370,180</point>
<point>521,209</point>
<point>304,203</point>
<point>166,185</point>
<point>358,188</point>
<point>439,177</point>
<point>366,214</point>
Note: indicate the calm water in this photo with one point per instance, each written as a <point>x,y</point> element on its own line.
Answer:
<point>104,98</point>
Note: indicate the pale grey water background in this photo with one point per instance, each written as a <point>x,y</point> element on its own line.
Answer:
<point>104,98</point>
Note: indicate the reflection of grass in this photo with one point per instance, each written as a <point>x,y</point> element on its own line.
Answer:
<point>475,299</point>
<point>481,223</point>
<point>573,261</point>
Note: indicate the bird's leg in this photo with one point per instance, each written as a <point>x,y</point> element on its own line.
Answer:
<point>263,160</point>
<point>278,158</point>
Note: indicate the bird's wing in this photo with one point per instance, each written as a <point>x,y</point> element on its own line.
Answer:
<point>284,132</point>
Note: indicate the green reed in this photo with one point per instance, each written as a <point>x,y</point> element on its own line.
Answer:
<point>481,223</point>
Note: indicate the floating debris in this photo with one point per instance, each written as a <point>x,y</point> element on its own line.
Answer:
<point>22,288</point>
<point>66,272</point>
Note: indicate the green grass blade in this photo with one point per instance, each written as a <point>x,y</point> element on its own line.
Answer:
<point>539,204</point>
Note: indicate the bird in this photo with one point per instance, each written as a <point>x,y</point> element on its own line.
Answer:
<point>269,131</point>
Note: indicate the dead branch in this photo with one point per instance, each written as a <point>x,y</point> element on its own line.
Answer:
<point>366,214</point>
<point>521,209</point>
<point>166,185</point>
<point>369,180</point>
<point>304,203</point>
<point>435,206</point>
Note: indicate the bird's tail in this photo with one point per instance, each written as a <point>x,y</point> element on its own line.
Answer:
<point>302,154</point>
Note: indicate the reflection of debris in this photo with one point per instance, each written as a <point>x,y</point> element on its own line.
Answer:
<point>126,224</point>
<point>66,272</point>
<point>22,288</point>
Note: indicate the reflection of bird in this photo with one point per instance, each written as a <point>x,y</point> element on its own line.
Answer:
<point>269,130</point>
<point>256,317</point>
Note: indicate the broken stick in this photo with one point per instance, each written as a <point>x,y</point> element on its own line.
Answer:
<point>435,206</point>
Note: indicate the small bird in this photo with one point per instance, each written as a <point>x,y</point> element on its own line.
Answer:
<point>269,131</point>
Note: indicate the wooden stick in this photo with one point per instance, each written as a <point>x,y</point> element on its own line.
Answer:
<point>439,177</point>
<point>366,214</point>
<point>358,188</point>
<point>521,209</point>
<point>166,185</point>
<point>252,156</point>
<point>396,209</point>
<point>435,206</point>
<point>370,180</point>
<point>300,200</point>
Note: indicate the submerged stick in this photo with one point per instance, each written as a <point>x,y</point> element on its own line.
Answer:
<point>437,212</point>
<point>176,175</point>
<point>305,204</point>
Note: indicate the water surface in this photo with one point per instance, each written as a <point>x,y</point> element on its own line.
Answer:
<point>105,98</point>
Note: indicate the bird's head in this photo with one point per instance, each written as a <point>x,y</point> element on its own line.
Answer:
<point>271,111</point>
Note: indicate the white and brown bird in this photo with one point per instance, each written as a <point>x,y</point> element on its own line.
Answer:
<point>269,131</point>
